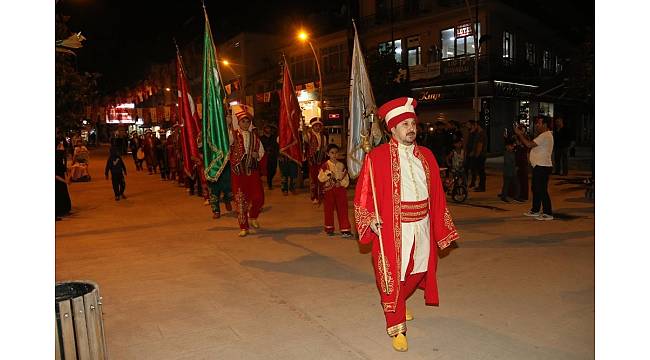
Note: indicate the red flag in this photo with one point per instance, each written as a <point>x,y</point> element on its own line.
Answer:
<point>290,142</point>
<point>189,120</point>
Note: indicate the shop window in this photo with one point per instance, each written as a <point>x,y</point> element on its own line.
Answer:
<point>392,46</point>
<point>414,56</point>
<point>530,53</point>
<point>459,41</point>
<point>508,45</point>
<point>546,60</point>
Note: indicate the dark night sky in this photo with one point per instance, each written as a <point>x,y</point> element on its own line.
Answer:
<point>123,37</point>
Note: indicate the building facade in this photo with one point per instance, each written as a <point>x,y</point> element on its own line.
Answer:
<point>520,60</point>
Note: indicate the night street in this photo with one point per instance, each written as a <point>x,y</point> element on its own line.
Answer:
<point>177,284</point>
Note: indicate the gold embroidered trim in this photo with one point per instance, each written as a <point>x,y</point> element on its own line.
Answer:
<point>449,223</point>
<point>394,330</point>
<point>380,269</point>
<point>447,240</point>
<point>363,218</point>
<point>407,206</point>
<point>242,207</point>
<point>397,203</point>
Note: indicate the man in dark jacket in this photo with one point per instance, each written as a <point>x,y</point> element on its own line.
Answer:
<point>562,141</point>
<point>116,166</point>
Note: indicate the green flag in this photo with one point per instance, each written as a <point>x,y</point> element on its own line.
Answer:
<point>216,147</point>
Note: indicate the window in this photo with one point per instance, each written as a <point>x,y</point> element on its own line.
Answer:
<point>388,47</point>
<point>303,67</point>
<point>458,41</point>
<point>546,61</point>
<point>508,45</point>
<point>530,53</point>
<point>414,56</point>
<point>332,58</point>
<point>414,52</point>
<point>448,46</point>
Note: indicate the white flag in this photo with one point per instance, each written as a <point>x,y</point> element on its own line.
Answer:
<point>362,105</point>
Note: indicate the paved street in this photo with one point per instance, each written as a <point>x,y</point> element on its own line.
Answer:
<point>177,284</point>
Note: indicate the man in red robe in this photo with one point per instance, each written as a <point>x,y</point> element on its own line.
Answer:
<point>316,144</point>
<point>413,217</point>
<point>246,151</point>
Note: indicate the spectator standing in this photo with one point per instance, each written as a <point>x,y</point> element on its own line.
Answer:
<point>271,149</point>
<point>133,146</point>
<point>540,159</point>
<point>562,143</point>
<point>510,180</point>
<point>476,151</point>
<point>521,161</point>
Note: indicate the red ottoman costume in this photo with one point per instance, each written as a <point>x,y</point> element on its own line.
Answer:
<point>414,215</point>
<point>247,185</point>
<point>316,154</point>
<point>334,180</point>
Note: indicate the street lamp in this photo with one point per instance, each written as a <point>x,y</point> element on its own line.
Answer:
<point>303,36</point>
<point>227,63</point>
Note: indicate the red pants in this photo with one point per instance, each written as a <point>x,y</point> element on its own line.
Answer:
<point>315,186</point>
<point>396,321</point>
<point>336,199</point>
<point>248,194</point>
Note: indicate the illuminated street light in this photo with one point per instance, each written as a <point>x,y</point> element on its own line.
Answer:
<point>304,37</point>
<point>225,62</point>
<point>168,89</point>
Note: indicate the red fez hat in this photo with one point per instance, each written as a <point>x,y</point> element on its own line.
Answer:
<point>398,110</point>
<point>243,111</point>
<point>315,121</point>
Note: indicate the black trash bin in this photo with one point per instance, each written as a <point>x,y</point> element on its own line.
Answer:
<point>79,324</point>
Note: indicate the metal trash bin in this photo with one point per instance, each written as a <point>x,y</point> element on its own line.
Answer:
<point>79,324</point>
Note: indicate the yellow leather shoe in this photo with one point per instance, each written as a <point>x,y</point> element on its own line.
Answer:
<point>400,343</point>
<point>243,233</point>
<point>409,316</point>
<point>255,224</point>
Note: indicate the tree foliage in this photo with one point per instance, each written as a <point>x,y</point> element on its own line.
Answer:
<point>73,90</point>
<point>387,76</point>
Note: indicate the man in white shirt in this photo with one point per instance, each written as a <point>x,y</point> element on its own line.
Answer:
<point>541,149</point>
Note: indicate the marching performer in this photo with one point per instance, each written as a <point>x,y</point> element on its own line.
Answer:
<point>400,208</point>
<point>335,180</point>
<point>316,148</point>
<point>246,151</point>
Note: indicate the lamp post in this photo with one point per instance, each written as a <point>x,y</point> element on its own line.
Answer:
<point>477,49</point>
<point>303,36</point>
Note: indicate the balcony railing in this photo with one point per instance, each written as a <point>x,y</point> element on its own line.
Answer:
<point>461,69</point>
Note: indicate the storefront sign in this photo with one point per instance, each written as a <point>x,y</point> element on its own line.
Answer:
<point>428,96</point>
<point>464,30</point>
<point>457,66</point>
<point>425,71</point>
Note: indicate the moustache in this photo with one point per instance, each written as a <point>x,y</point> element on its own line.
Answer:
<point>410,133</point>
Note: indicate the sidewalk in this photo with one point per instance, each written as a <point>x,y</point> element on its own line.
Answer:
<point>177,284</point>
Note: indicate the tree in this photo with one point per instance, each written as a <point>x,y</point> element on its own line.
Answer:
<point>387,76</point>
<point>73,90</point>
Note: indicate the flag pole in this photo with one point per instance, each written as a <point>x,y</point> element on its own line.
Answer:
<point>381,242</point>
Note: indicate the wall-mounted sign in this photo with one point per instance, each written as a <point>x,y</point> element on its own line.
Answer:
<point>464,30</point>
<point>428,96</point>
<point>334,116</point>
<point>425,71</point>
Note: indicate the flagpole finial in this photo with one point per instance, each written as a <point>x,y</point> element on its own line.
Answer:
<point>178,51</point>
